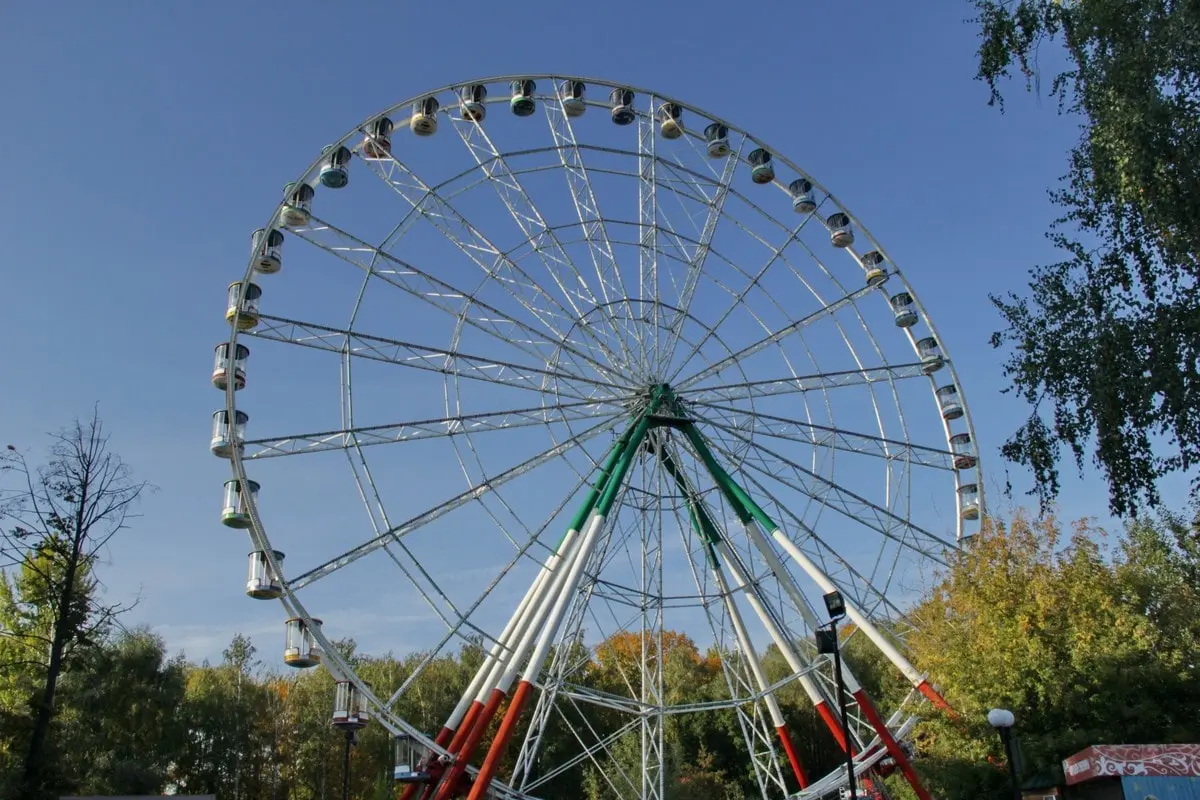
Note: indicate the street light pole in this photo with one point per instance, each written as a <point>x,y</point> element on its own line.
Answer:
<point>841,688</point>
<point>827,644</point>
<point>1003,720</point>
<point>351,740</point>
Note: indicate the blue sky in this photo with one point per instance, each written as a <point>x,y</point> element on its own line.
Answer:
<point>144,143</point>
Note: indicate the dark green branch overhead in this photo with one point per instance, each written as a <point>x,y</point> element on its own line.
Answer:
<point>1104,344</point>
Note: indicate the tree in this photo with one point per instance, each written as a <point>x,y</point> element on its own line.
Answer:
<point>1105,348</point>
<point>118,717</point>
<point>230,714</point>
<point>1084,647</point>
<point>55,522</point>
<point>699,777</point>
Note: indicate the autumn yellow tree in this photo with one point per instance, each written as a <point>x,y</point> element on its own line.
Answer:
<point>1080,640</point>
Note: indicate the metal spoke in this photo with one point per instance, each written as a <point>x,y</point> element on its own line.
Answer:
<point>522,552</point>
<point>459,425</point>
<point>425,517</point>
<point>587,209</point>
<point>602,745</point>
<point>766,765</point>
<point>445,361</point>
<point>740,297</point>
<point>441,294</point>
<point>811,538</point>
<point>652,691</point>
<point>716,205</point>
<point>779,335</point>
<point>849,504</point>
<point>648,219</point>
<point>427,202</point>
<point>524,212</point>
<point>561,668</point>
<point>820,381</point>
<point>835,438</point>
<point>410,567</point>
<point>496,265</point>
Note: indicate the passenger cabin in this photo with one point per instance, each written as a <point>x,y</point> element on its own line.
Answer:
<point>297,205</point>
<point>903,309</point>
<point>335,167</point>
<point>410,758</point>
<point>968,501</point>
<point>964,451</point>
<point>300,649</point>
<point>226,437</point>
<point>670,120</point>
<point>222,368</point>
<point>574,101</point>
<point>349,713</point>
<point>261,584</point>
<point>803,200</point>
<point>267,249</point>
<point>424,116</point>
<point>235,512</point>
<point>716,139</point>
<point>378,141</point>
<point>948,401</point>
<point>930,353</point>
<point>876,267</point>
<point>521,102</point>
<point>841,232</point>
<point>620,102</point>
<point>761,168</point>
<point>472,102</point>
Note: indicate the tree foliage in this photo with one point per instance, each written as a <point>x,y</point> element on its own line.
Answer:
<point>126,753</point>
<point>1085,643</point>
<point>1084,646</point>
<point>55,521</point>
<point>1105,348</point>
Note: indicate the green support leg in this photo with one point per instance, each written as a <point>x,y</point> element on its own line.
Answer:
<point>742,503</point>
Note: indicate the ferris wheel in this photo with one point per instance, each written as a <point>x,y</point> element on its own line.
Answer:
<point>601,368</point>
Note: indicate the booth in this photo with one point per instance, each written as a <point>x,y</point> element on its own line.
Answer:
<point>1134,772</point>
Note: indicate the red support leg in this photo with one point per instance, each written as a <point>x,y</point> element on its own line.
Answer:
<point>889,741</point>
<point>464,728</point>
<point>831,722</point>
<point>449,785</point>
<point>797,768</point>
<point>936,698</point>
<point>496,752</point>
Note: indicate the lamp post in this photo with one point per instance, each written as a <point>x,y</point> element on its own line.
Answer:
<point>1003,720</point>
<point>351,740</point>
<point>349,716</point>
<point>827,644</point>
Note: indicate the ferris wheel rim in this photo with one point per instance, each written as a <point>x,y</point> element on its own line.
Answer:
<point>257,530</point>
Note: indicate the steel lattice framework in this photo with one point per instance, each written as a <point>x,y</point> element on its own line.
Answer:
<point>608,368</point>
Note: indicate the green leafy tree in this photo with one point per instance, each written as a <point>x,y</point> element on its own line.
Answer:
<point>1084,647</point>
<point>706,751</point>
<point>1105,346</point>
<point>310,753</point>
<point>700,777</point>
<point>426,703</point>
<point>118,717</point>
<point>230,715</point>
<point>20,664</point>
<point>55,522</point>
